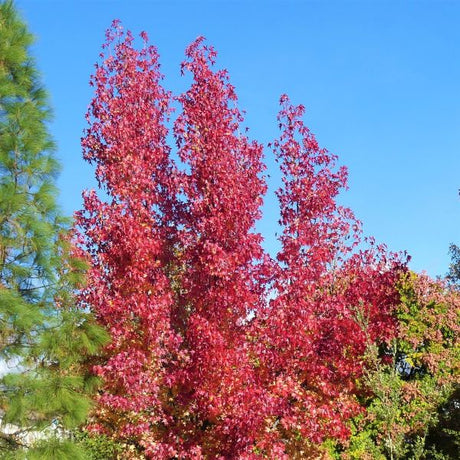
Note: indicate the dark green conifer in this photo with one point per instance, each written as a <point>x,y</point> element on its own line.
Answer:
<point>44,338</point>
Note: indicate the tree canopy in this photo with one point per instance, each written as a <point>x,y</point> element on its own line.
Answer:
<point>44,336</point>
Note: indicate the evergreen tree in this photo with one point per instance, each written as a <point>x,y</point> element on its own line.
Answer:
<point>44,338</point>
<point>453,275</point>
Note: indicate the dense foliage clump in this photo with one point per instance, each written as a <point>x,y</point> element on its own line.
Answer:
<point>217,349</point>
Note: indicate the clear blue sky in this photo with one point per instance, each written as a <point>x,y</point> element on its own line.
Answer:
<point>380,80</point>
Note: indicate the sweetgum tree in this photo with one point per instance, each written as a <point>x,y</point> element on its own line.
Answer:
<point>330,303</point>
<point>219,351</point>
<point>132,241</point>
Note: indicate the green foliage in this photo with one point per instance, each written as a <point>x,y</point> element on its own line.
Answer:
<point>98,446</point>
<point>453,276</point>
<point>52,448</point>
<point>44,337</point>
<point>410,390</point>
<point>444,437</point>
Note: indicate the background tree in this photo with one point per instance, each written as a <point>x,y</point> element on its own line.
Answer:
<point>411,405</point>
<point>453,276</point>
<point>44,338</point>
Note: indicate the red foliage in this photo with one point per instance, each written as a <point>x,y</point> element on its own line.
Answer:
<point>330,303</point>
<point>218,351</point>
<point>131,238</point>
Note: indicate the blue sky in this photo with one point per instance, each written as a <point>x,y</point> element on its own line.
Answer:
<point>380,81</point>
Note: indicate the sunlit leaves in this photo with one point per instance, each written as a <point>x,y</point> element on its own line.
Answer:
<point>217,350</point>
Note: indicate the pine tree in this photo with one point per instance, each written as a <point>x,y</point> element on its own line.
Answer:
<point>44,338</point>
